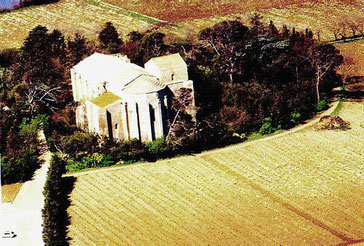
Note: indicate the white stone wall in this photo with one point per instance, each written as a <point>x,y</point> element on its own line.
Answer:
<point>92,117</point>
<point>175,74</point>
<point>87,86</point>
<point>153,69</point>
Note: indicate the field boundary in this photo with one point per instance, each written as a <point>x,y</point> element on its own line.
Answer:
<point>239,145</point>
<point>133,14</point>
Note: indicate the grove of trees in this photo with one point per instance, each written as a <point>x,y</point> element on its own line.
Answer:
<point>246,78</point>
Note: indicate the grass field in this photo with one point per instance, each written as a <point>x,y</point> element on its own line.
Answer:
<point>9,192</point>
<point>305,188</point>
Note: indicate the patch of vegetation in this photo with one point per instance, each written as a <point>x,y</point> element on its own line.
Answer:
<point>21,143</point>
<point>322,105</point>
<point>54,213</point>
<point>338,108</point>
<point>132,13</point>
<point>332,123</point>
<point>95,160</point>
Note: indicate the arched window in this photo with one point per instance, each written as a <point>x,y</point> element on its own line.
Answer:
<point>172,77</point>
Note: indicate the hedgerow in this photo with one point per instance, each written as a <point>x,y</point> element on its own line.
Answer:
<point>54,214</point>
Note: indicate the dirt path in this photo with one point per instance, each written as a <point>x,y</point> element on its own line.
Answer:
<point>24,216</point>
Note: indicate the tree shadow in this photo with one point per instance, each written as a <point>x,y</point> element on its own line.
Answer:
<point>350,96</point>
<point>64,220</point>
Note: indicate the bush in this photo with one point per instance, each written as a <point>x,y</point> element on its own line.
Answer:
<point>159,149</point>
<point>322,105</point>
<point>332,123</point>
<point>295,118</point>
<point>131,150</point>
<point>21,159</point>
<point>19,168</point>
<point>96,160</point>
<point>267,127</point>
<point>54,213</point>
<point>79,144</point>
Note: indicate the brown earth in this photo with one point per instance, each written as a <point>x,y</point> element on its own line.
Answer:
<point>288,189</point>
<point>9,192</point>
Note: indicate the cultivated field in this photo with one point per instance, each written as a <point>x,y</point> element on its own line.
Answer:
<point>304,188</point>
<point>69,16</point>
<point>323,17</point>
<point>9,192</point>
<point>353,52</point>
<point>178,11</point>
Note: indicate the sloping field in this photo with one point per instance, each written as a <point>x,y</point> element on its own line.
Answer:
<point>69,16</point>
<point>355,51</point>
<point>323,17</point>
<point>302,188</point>
<point>178,11</point>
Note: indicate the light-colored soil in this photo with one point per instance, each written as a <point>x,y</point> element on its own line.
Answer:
<point>291,189</point>
<point>9,192</point>
<point>24,216</point>
<point>68,16</point>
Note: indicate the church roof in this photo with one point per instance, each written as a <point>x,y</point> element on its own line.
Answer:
<point>105,99</point>
<point>144,84</point>
<point>168,62</point>
<point>114,69</point>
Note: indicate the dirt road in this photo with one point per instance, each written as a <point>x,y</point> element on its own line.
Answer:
<point>24,216</point>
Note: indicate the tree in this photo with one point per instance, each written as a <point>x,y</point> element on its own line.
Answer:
<point>228,40</point>
<point>182,123</point>
<point>258,27</point>
<point>151,45</point>
<point>336,29</point>
<point>110,39</point>
<point>78,49</point>
<point>273,31</point>
<point>223,34</point>
<point>354,26</point>
<point>343,28</point>
<point>348,69</point>
<point>323,58</point>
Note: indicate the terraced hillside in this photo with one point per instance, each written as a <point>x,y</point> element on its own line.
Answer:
<point>69,16</point>
<point>294,189</point>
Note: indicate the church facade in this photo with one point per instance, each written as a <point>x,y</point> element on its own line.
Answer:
<point>122,100</point>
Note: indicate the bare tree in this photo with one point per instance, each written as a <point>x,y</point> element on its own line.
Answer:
<point>323,58</point>
<point>336,30</point>
<point>41,95</point>
<point>182,121</point>
<point>354,26</point>
<point>348,69</point>
<point>343,29</point>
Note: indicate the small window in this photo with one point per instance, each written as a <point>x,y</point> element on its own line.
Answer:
<point>116,126</point>
<point>104,85</point>
<point>172,77</point>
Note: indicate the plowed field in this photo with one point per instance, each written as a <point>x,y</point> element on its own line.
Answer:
<point>301,188</point>
<point>69,16</point>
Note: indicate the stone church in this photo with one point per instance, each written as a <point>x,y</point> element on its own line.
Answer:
<point>122,100</point>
